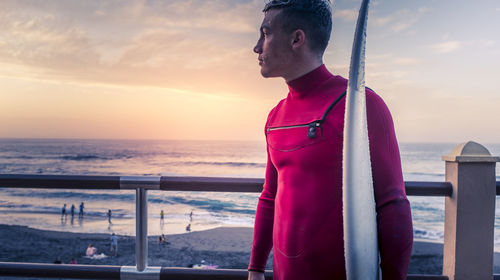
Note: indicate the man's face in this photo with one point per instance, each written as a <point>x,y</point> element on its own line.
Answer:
<point>273,47</point>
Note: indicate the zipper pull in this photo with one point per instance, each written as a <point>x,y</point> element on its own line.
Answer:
<point>311,132</point>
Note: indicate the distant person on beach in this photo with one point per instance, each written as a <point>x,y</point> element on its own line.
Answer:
<point>58,260</point>
<point>109,216</point>
<point>188,227</point>
<point>114,245</point>
<point>162,239</point>
<point>299,213</point>
<point>191,216</point>
<point>80,214</point>
<point>91,250</point>
<point>72,210</point>
<point>63,211</point>
<point>73,261</point>
<point>162,217</point>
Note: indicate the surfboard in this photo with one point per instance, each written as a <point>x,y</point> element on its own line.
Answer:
<point>360,224</point>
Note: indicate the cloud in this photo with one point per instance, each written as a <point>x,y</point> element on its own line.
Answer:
<point>140,43</point>
<point>393,74</point>
<point>46,41</point>
<point>167,49</point>
<point>346,15</point>
<point>401,20</point>
<point>486,43</point>
<point>454,45</point>
<point>381,21</point>
<point>384,59</point>
<point>382,56</point>
<point>406,61</point>
<point>194,14</point>
<point>447,47</point>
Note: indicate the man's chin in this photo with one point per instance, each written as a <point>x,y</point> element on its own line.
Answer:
<point>266,74</point>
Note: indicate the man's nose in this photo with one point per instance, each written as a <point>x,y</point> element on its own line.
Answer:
<point>258,47</point>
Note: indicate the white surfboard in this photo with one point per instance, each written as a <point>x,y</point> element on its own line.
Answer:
<point>360,224</point>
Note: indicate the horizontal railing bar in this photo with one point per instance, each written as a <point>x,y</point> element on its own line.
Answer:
<point>426,277</point>
<point>166,273</point>
<point>172,183</point>
<point>428,188</point>
<point>218,184</point>
<point>59,270</point>
<point>59,181</point>
<point>174,273</point>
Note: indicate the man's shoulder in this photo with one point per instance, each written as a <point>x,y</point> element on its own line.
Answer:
<point>278,105</point>
<point>275,109</point>
<point>373,99</point>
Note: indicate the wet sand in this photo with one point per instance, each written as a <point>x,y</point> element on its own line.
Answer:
<point>227,247</point>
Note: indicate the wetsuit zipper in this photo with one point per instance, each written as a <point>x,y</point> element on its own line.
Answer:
<point>311,131</point>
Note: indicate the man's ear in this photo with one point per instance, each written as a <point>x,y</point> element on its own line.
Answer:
<point>298,38</point>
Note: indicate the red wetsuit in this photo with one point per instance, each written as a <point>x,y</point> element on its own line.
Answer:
<point>299,213</point>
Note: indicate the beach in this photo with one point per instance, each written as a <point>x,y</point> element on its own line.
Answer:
<point>41,208</point>
<point>225,247</point>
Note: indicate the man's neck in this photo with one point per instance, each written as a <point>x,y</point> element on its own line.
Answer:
<point>303,68</point>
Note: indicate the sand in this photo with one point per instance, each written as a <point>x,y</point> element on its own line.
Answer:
<point>227,247</point>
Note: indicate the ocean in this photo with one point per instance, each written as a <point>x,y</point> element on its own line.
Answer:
<point>41,208</point>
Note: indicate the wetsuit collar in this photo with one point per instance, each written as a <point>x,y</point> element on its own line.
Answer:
<point>304,85</point>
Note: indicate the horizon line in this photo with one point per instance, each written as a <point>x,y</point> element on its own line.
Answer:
<point>206,140</point>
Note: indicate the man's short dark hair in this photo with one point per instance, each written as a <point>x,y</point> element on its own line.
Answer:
<point>314,17</point>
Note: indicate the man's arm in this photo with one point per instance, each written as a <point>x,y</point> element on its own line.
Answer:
<point>395,231</point>
<point>264,219</point>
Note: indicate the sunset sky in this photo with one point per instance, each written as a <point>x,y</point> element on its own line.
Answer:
<point>184,69</point>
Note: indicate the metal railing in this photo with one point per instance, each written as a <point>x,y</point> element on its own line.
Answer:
<point>113,272</point>
<point>470,191</point>
<point>141,185</point>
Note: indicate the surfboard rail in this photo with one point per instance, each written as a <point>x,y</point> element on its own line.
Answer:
<point>358,199</point>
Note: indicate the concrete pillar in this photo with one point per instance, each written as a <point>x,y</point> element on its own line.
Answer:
<point>469,213</point>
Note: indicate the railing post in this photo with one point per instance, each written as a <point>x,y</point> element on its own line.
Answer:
<point>141,271</point>
<point>141,229</point>
<point>469,213</point>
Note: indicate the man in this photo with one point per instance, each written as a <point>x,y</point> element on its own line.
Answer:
<point>91,250</point>
<point>63,212</point>
<point>114,244</point>
<point>299,213</point>
<point>80,214</point>
<point>109,216</point>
